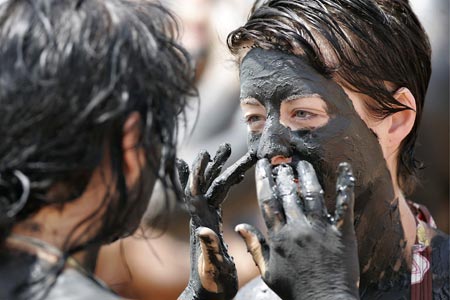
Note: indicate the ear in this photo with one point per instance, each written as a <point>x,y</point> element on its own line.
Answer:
<point>402,122</point>
<point>133,154</point>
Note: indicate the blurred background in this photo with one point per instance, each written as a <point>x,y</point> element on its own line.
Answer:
<point>433,143</point>
<point>205,25</point>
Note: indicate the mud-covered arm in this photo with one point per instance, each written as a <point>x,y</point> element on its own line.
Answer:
<point>213,273</point>
<point>309,254</point>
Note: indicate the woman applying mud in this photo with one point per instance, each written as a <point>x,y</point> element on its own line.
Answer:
<point>90,98</point>
<point>338,85</point>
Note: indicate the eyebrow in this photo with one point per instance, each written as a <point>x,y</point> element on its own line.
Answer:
<point>297,97</point>
<point>251,101</point>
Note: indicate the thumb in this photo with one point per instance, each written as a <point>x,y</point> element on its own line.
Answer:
<point>209,258</point>
<point>256,245</point>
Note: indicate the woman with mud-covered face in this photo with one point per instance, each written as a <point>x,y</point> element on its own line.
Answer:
<point>332,116</point>
<point>295,118</point>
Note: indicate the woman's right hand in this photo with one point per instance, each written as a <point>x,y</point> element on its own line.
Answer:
<point>309,254</point>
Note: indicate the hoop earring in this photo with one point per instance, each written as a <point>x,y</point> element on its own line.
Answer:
<point>17,206</point>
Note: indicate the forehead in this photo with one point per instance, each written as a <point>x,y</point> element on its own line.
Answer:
<point>275,76</point>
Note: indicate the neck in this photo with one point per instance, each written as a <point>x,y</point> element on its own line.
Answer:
<point>83,260</point>
<point>408,224</point>
<point>65,228</point>
<point>385,238</point>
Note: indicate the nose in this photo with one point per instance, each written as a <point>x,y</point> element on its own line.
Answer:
<point>274,143</point>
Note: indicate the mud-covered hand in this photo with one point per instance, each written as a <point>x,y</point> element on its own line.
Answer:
<point>309,254</point>
<point>213,273</point>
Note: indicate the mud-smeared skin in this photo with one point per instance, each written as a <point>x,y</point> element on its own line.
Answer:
<point>306,242</point>
<point>205,191</point>
<point>440,266</point>
<point>271,76</point>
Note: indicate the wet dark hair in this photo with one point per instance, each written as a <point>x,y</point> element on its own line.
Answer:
<point>71,73</point>
<point>372,47</point>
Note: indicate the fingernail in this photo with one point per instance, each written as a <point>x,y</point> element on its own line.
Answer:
<point>240,229</point>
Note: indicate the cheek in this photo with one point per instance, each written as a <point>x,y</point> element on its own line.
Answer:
<point>305,144</point>
<point>253,141</point>
<point>354,143</point>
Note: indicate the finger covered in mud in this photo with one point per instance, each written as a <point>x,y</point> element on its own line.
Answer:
<point>288,193</point>
<point>345,199</point>
<point>197,179</point>
<point>231,176</point>
<point>256,245</point>
<point>310,190</point>
<point>266,191</point>
<point>215,167</point>
<point>183,172</point>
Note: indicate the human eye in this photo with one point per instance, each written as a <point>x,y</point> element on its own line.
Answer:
<point>255,122</point>
<point>304,118</point>
<point>251,119</point>
<point>254,114</point>
<point>303,114</point>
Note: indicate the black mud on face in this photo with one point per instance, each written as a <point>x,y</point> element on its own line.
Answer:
<point>270,77</point>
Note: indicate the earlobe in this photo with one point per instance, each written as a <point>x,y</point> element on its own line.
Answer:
<point>402,122</point>
<point>133,155</point>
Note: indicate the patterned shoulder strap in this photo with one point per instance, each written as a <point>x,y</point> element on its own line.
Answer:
<point>421,277</point>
